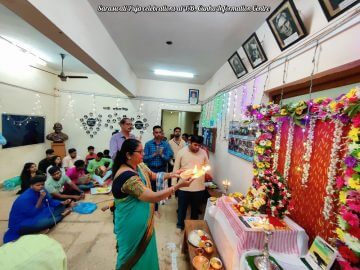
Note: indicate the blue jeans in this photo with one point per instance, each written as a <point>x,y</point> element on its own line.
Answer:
<point>185,198</point>
<point>101,180</point>
<point>85,187</point>
<point>44,223</point>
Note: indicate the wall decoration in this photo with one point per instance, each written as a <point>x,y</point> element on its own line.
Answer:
<point>139,125</point>
<point>333,8</point>
<point>237,65</point>
<point>209,135</point>
<point>91,123</point>
<point>286,25</point>
<point>241,140</point>
<point>193,96</point>
<point>23,129</point>
<point>254,51</point>
<point>325,178</point>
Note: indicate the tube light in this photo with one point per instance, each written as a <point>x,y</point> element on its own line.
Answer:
<point>164,72</point>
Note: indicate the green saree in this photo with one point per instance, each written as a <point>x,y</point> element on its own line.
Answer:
<point>134,224</point>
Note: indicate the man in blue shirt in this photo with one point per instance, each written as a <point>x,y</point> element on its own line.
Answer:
<point>157,154</point>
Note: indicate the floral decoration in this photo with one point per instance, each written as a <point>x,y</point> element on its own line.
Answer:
<point>277,146</point>
<point>342,110</point>
<point>289,145</point>
<point>308,152</point>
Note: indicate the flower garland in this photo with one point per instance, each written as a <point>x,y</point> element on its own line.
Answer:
<point>289,145</point>
<point>334,160</point>
<point>308,152</point>
<point>277,146</point>
<point>348,231</point>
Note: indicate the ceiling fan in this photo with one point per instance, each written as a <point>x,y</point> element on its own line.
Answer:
<point>62,75</point>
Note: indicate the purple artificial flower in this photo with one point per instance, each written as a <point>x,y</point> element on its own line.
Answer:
<point>339,97</point>
<point>350,161</point>
<point>344,118</point>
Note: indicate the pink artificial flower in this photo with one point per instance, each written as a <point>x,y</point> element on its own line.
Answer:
<point>350,218</point>
<point>349,172</point>
<point>355,206</point>
<point>340,182</point>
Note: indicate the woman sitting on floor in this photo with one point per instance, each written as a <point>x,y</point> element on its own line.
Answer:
<point>34,211</point>
<point>29,171</point>
<point>134,207</point>
<point>55,161</point>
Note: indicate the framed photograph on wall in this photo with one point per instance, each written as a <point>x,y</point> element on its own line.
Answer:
<point>193,96</point>
<point>241,140</point>
<point>333,8</point>
<point>286,25</point>
<point>237,65</point>
<point>209,135</point>
<point>254,51</point>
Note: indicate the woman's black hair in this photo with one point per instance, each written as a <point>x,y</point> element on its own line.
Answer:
<point>25,177</point>
<point>129,146</point>
<point>52,161</point>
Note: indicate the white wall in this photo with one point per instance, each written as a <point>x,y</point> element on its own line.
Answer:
<point>167,90</point>
<point>337,49</point>
<point>83,26</point>
<point>158,96</point>
<point>15,100</point>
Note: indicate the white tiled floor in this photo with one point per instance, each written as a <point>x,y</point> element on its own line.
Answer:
<point>89,242</point>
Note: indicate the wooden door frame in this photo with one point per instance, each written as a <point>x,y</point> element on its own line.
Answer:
<point>332,78</point>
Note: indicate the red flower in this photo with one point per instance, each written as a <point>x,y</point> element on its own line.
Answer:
<point>355,231</point>
<point>349,172</point>
<point>356,120</point>
<point>348,254</point>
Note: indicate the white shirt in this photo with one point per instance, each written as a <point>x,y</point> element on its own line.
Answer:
<point>68,162</point>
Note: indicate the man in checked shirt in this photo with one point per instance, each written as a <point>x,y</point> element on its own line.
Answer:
<point>157,155</point>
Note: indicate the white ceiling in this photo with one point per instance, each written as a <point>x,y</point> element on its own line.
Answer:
<point>17,30</point>
<point>202,42</point>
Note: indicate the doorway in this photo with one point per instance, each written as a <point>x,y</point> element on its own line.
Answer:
<point>187,121</point>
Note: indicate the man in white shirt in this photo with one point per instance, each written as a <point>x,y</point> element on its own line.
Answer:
<point>176,144</point>
<point>69,160</point>
<point>186,159</point>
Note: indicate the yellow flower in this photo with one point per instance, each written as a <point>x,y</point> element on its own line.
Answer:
<point>256,106</point>
<point>242,209</point>
<point>299,110</point>
<point>267,164</point>
<point>301,103</point>
<point>318,100</point>
<point>351,93</point>
<point>354,184</point>
<point>268,143</point>
<point>260,165</point>
<point>283,112</point>
<point>271,128</point>
<point>255,172</point>
<point>354,134</point>
<point>260,150</point>
<point>340,234</point>
<point>332,106</point>
<point>342,196</point>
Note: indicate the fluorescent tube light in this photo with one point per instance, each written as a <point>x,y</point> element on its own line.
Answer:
<point>164,72</point>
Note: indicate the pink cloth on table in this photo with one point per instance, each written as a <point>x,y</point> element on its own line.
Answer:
<point>282,241</point>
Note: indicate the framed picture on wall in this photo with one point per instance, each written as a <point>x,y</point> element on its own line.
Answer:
<point>286,25</point>
<point>237,65</point>
<point>241,140</point>
<point>193,96</point>
<point>254,51</point>
<point>209,135</point>
<point>333,8</point>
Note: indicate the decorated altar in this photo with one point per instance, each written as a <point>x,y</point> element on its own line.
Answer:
<point>306,170</point>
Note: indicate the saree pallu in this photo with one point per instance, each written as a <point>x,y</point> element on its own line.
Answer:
<point>134,231</point>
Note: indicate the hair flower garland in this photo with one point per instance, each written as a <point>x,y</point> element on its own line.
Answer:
<point>289,145</point>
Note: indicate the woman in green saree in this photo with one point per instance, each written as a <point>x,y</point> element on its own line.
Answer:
<point>134,208</point>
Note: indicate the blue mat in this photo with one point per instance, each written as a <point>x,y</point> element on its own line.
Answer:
<point>85,207</point>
